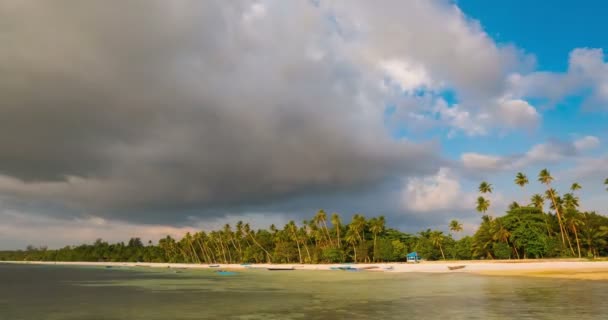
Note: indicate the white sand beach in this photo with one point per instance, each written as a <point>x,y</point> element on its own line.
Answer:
<point>571,269</point>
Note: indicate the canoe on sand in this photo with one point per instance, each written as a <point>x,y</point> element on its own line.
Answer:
<point>455,267</point>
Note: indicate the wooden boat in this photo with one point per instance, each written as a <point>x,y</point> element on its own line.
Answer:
<point>456,267</point>
<point>368,268</point>
<point>280,268</point>
<point>214,266</point>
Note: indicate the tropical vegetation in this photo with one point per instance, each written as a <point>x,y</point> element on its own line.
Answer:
<point>549,225</point>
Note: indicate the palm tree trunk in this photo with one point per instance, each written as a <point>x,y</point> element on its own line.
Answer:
<point>374,253</point>
<point>307,253</point>
<point>355,252</point>
<point>440,249</point>
<point>516,253</point>
<point>559,217</point>
<point>269,256</point>
<point>578,245</point>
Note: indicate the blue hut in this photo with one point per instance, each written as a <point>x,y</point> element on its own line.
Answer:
<point>413,257</point>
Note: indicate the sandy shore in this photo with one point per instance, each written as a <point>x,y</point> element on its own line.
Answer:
<point>567,269</point>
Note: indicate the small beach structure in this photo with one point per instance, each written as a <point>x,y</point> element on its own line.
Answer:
<point>413,257</point>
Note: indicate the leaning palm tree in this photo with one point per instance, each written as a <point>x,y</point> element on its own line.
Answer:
<point>485,187</point>
<point>352,239</point>
<point>573,221</point>
<point>544,177</point>
<point>483,205</point>
<point>437,238</point>
<point>336,222</point>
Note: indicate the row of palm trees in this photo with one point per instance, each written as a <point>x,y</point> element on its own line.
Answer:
<point>564,207</point>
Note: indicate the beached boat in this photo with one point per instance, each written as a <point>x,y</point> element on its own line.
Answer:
<point>368,268</point>
<point>344,268</point>
<point>280,268</point>
<point>456,267</point>
<point>214,266</point>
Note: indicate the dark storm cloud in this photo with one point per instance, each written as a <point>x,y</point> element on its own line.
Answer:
<point>138,108</point>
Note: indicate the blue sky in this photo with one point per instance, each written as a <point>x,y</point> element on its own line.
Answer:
<point>268,110</point>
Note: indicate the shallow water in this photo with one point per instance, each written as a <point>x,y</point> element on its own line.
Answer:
<point>61,292</point>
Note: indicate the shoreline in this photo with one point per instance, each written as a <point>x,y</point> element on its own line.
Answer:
<point>562,269</point>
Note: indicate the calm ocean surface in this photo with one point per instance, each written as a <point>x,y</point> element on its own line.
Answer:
<point>60,292</point>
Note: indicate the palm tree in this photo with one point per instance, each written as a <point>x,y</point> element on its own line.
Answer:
<point>352,238</point>
<point>485,187</point>
<point>545,178</point>
<point>455,226</point>
<point>293,229</point>
<point>437,238</point>
<point>483,205</point>
<point>572,220</point>
<point>250,233</point>
<point>521,179</point>
<point>321,220</point>
<point>538,201</point>
<point>336,222</point>
<point>376,226</point>
<point>514,205</point>
<point>606,183</point>
<point>575,186</point>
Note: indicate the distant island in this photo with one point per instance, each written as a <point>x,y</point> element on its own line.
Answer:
<point>525,231</point>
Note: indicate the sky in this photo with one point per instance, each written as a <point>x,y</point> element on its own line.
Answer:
<point>147,118</point>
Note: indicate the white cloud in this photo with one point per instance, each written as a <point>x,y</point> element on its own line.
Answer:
<point>409,77</point>
<point>441,191</point>
<point>544,153</point>
<point>587,75</point>
<point>517,113</point>
<point>587,143</point>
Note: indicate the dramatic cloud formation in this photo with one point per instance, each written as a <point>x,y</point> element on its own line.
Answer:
<point>176,113</point>
<point>152,104</point>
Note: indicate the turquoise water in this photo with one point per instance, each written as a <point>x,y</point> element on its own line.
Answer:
<point>59,292</point>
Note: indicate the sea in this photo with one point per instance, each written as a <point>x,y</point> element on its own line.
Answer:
<point>52,292</point>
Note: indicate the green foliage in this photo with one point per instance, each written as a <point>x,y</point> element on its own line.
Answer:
<point>524,231</point>
<point>501,250</point>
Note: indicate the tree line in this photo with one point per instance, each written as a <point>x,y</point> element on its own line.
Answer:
<point>550,225</point>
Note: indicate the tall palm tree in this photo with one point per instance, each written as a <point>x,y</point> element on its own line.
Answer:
<point>483,205</point>
<point>485,187</point>
<point>337,223</point>
<point>376,226</point>
<point>352,239</point>
<point>321,220</point>
<point>575,186</point>
<point>572,220</point>
<point>544,177</point>
<point>437,238</point>
<point>250,233</point>
<point>293,230</point>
